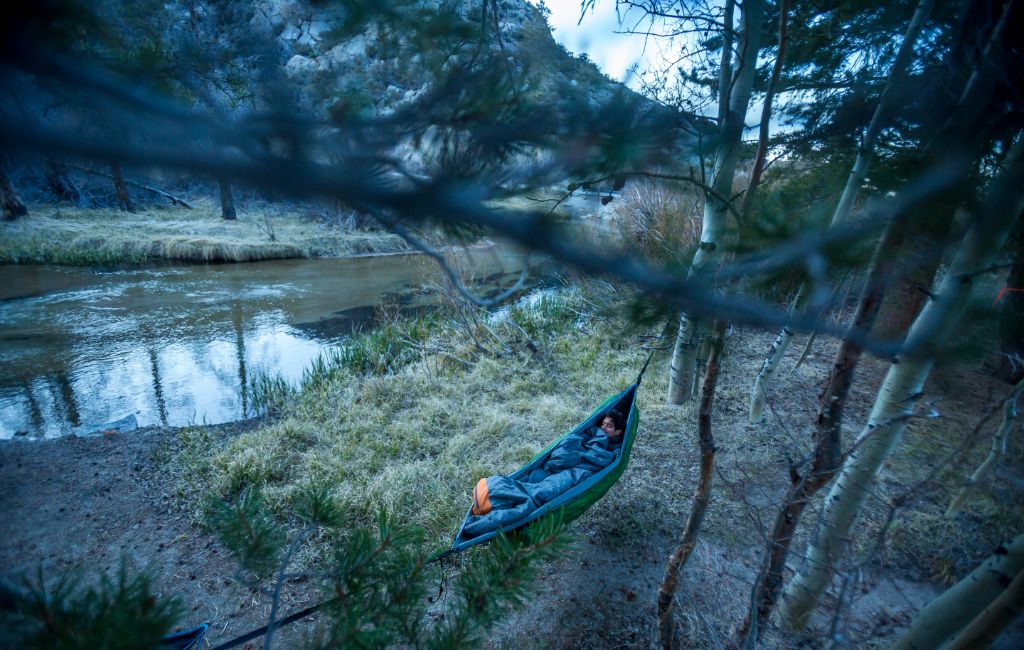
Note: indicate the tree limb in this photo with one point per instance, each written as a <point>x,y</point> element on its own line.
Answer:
<point>95,172</point>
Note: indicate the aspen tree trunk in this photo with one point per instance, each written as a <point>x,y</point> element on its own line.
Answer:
<point>701,497</point>
<point>124,201</point>
<point>991,622</point>
<point>902,389</point>
<point>853,184</point>
<point>681,383</point>
<point>703,350</point>
<point>827,440</point>
<point>680,373</point>
<point>227,200</point>
<point>997,451</point>
<point>13,206</point>
<point>961,603</point>
<point>716,211</point>
<point>725,66</point>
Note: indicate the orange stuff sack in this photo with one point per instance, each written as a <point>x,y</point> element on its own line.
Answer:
<point>481,498</point>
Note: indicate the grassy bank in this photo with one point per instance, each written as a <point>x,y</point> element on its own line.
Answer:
<point>409,416</point>
<point>82,237</point>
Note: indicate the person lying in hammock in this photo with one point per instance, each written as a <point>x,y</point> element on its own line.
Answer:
<point>499,500</point>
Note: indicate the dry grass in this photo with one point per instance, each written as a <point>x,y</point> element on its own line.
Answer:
<point>107,237</point>
<point>662,220</point>
<point>414,435</point>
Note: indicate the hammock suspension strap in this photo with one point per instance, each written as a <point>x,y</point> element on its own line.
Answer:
<point>654,349</point>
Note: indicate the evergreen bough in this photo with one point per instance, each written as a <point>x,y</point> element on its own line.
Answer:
<point>376,583</point>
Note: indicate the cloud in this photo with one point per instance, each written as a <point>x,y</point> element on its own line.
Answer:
<point>615,53</point>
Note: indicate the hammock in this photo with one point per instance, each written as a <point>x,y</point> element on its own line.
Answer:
<point>568,506</point>
<point>575,501</point>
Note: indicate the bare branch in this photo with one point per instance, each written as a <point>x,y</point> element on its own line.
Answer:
<point>417,243</point>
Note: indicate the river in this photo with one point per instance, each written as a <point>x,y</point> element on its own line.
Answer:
<point>179,345</point>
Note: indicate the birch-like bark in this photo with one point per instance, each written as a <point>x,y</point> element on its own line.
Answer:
<point>725,66</point>
<point>770,365</point>
<point>827,440</point>
<point>853,184</point>
<point>903,387</point>
<point>701,497</point>
<point>997,451</point>
<point>716,211</point>
<point>680,377</point>
<point>961,603</point>
<point>991,622</point>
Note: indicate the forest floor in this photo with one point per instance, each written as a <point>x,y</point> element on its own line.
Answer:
<point>416,437</point>
<point>160,233</point>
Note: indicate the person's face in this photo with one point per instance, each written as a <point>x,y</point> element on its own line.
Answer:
<point>608,426</point>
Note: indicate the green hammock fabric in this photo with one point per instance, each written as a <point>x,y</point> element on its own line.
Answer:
<point>574,502</point>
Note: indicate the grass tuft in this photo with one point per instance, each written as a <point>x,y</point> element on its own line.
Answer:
<point>87,237</point>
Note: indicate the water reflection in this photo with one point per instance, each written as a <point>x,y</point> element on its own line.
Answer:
<point>175,346</point>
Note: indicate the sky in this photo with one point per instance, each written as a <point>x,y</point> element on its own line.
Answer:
<point>614,53</point>
<point>599,34</point>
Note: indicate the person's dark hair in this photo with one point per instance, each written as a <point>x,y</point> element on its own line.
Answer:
<point>617,418</point>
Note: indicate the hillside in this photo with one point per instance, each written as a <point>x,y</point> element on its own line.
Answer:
<point>330,72</point>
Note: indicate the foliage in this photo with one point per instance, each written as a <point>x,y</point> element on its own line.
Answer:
<point>375,579</point>
<point>119,612</point>
<point>378,351</point>
<point>419,112</point>
<point>248,531</point>
<point>375,584</point>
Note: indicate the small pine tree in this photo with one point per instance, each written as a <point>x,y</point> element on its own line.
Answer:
<point>376,579</point>
<point>112,613</point>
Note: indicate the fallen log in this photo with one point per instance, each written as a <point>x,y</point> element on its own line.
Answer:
<point>167,195</point>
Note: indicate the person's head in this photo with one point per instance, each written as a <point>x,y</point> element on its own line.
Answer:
<point>613,423</point>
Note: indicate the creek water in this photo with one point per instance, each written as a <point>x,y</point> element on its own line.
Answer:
<point>179,345</point>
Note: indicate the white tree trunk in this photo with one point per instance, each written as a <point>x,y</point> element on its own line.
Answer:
<point>995,618</point>
<point>958,605</point>
<point>997,451</point>
<point>849,195</point>
<point>681,377</point>
<point>770,366</point>
<point>716,211</point>
<point>902,388</point>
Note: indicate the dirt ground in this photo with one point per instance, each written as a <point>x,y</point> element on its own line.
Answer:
<point>89,502</point>
<point>86,503</point>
